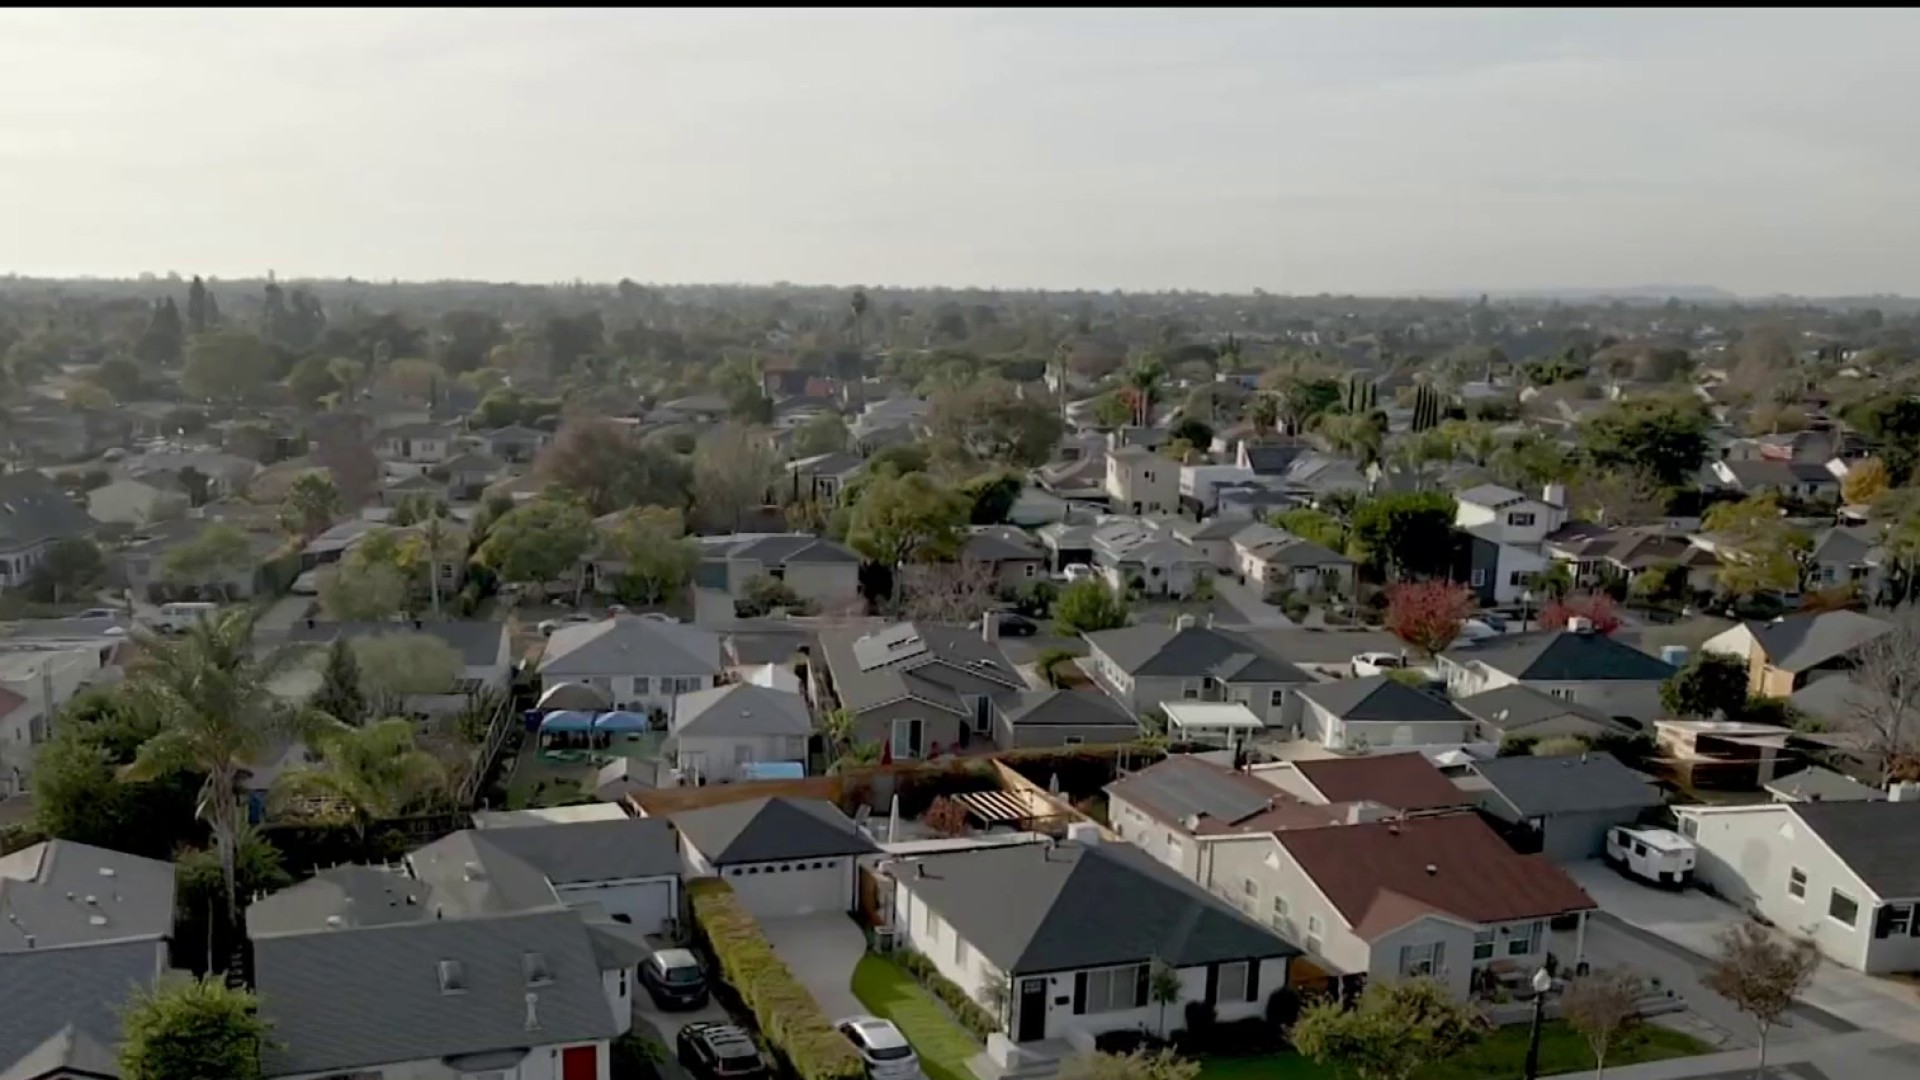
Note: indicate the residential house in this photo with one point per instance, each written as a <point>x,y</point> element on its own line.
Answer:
<point>1060,717</point>
<point>1279,560</point>
<point>204,475</point>
<point>625,871</point>
<point>821,478</point>
<point>85,928</point>
<point>814,567</point>
<point>484,647</point>
<point>1142,666</point>
<point>469,472</point>
<point>1406,783</point>
<point>1785,655</point>
<point>1016,560</point>
<point>783,857</point>
<point>1566,803</point>
<point>639,663</point>
<point>137,502</point>
<point>917,689</point>
<point>1815,784</point>
<point>1140,481</point>
<point>887,421</point>
<point>417,444</point>
<point>1199,485</point>
<point>1440,897</point>
<point>1270,457</point>
<point>531,995</point>
<point>1847,874</point>
<point>700,409</point>
<point>1577,665</point>
<point>141,563</point>
<point>1518,711</point>
<point>1252,500</point>
<point>1134,557</point>
<point>718,732</point>
<point>1212,538</point>
<point>514,444</point>
<point>1518,525</point>
<point>1722,755</point>
<point>37,678</point>
<point>1795,481</point>
<point>1067,543</point>
<point>1072,931</point>
<point>1166,808</point>
<point>1377,712</point>
<point>1082,479</point>
<point>1596,555</point>
<point>1848,556</point>
<point>1317,476</point>
<point>34,516</point>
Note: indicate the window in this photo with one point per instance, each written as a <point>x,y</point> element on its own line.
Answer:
<point>1479,577</point>
<point>641,683</point>
<point>1189,690</point>
<point>1115,989</point>
<point>1276,698</point>
<point>959,951</point>
<point>1313,933</point>
<point>1520,519</point>
<point>1231,983</point>
<point>1797,883</point>
<point>1524,942</point>
<point>1072,740</point>
<point>1251,888</point>
<point>933,927</point>
<point>1562,692</point>
<point>1520,577</point>
<point>1280,914</point>
<point>1483,944</point>
<point>1842,908</point>
<point>1689,827</point>
<point>1421,959</point>
<point>1897,919</point>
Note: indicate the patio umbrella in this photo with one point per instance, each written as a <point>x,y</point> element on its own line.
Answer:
<point>567,721</point>
<point>622,721</point>
<point>574,695</point>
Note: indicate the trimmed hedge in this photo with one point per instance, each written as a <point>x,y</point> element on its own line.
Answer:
<point>786,1014</point>
<point>971,1014</point>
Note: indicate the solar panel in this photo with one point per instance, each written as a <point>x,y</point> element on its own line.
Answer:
<point>883,647</point>
<point>1188,792</point>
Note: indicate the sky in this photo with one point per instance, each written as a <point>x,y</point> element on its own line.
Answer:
<point>1298,151</point>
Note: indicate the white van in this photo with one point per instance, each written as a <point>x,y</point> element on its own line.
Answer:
<point>1660,856</point>
<point>179,617</point>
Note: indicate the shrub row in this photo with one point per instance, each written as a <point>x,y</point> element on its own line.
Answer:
<point>971,1014</point>
<point>787,1015</point>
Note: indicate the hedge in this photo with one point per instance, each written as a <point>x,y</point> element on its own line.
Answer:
<point>787,1015</point>
<point>969,1012</point>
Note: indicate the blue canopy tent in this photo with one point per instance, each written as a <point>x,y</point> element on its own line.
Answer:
<point>567,720</point>
<point>622,722</point>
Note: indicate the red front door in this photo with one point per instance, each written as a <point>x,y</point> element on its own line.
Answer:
<point>580,1063</point>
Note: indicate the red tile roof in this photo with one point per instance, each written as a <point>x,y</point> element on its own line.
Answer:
<point>1402,781</point>
<point>1384,875</point>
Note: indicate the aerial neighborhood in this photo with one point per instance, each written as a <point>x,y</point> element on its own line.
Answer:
<point>842,683</point>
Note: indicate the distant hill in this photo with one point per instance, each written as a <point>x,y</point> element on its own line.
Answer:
<point>1692,294</point>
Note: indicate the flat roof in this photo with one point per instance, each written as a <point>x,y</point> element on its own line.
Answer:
<point>549,815</point>
<point>1214,714</point>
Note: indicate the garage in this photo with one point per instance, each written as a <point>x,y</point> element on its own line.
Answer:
<point>646,904</point>
<point>793,887</point>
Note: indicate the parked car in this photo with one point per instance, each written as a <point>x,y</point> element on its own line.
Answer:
<point>1375,663</point>
<point>888,1054</point>
<point>548,626</point>
<point>674,979</point>
<point>1478,629</point>
<point>1013,624</point>
<point>1079,572</point>
<point>713,1051</point>
<point>179,617</point>
<point>99,613</point>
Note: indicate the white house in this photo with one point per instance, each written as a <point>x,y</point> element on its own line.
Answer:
<point>717,732</point>
<point>640,663</point>
<point>1277,559</point>
<point>626,870</point>
<point>1140,481</point>
<point>1041,921</point>
<point>783,857</point>
<point>1578,665</point>
<point>34,684</point>
<point>1520,519</point>
<point>1360,715</point>
<point>1845,873</point>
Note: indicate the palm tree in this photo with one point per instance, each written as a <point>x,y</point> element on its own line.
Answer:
<point>857,304</point>
<point>365,775</point>
<point>1265,412</point>
<point>1144,377</point>
<point>1354,434</point>
<point>211,698</point>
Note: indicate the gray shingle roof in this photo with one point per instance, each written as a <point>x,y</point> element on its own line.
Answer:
<point>46,992</point>
<point>1512,708</point>
<point>476,640</point>
<point>770,830</point>
<point>1816,784</point>
<point>1799,642</point>
<point>1066,708</point>
<point>780,550</point>
<point>1541,786</point>
<point>741,709</point>
<point>583,851</point>
<point>1379,698</point>
<point>1032,908</point>
<point>33,508</point>
<point>346,999</point>
<point>995,544</point>
<point>356,895</point>
<point>1161,651</point>
<point>1564,656</point>
<point>114,896</point>
<point>920,660</point>
<point>1879,841</point>
<point>68,1054</point>
<point>630,645</point>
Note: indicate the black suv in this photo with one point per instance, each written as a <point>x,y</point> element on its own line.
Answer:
<point>674,979</point>
<point>711,1051</point>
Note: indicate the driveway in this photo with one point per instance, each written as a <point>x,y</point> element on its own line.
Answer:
<point>665,1027</point>
<point>1243,604</point>
<point>821,951</point>
<point>273,625</point>
<point>1690,920</point>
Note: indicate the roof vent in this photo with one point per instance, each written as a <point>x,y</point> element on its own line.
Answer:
<point>96,920</point>
<point>534,966</point>
<point>475,872</point>
<point>453,977</point>
<point>106,871</point>
<point>93,901</point>
<point>1432,869</point>
<point>335,922</point>
<point>533,1014</point>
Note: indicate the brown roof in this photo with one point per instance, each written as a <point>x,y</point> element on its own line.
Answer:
<point>1401,781</point>
<point>1163,791</point>
<point>1384,875</point>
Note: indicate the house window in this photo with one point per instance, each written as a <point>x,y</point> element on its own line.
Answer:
<point>1189,690</point>
<point>1842,908</point>
<point>1251,888</point>
<point>1520,519</point>
<point>1115,989</point>
<point>1897,919</point>
<point>1313,933</point>
<point>1561,692</point>
<point>1417,960</point>
<point>1231,983</point>
<point>959,951</point>
<point>1520,577</point>
<point>1525,943</point>
<point>1072,740</point>
<point>1280,914</point>
<point>1797,883</point>
<point>640,683</point>
<point>1483,944</point>
<point>1479,577</point>
<point>1028,570</point>
<point>933,927</point>
<point>1689,827</point>
<point>1276,698</point>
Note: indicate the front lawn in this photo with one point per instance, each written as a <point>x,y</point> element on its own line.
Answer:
<point>889,992</point>
<point>1499,1056</point>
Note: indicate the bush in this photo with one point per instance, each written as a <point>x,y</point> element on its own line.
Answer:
<point>1201,1020</point>
<point>1127,1041</point>
<point>1283,1008</point>
<point>786,1014</point>
<point>971,1014</point>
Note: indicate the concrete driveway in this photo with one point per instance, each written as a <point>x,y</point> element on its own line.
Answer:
<point>665,1027</point>
<point>821,951</point>
<point>1690,921</point>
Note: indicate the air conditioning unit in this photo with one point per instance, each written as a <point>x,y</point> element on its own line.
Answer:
<point>883,939</point>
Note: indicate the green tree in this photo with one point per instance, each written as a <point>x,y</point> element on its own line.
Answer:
<point>1143,378</point>
<point>992,422</point>
<point>192,1029</point>
<point>1406,533</point>
<point>538,542</point>
<point>312,505</point>
<point>1394,1030</point>
<point>824,434</point>
<point>311,380</point>
<point>1356,435</point>
<point>1712,684</point>
<point>122,378</point>
<point>610,469</point>
<point>900,519</point>
<point>229,366</point>
<point>340,695</point>
<point>1088,606</point>
<point>1164,988</point>
<point>657,559</point>
<point>355,590</point>
<point>992,496</point>
<point>202,312</point>
<point>160,343</point>
<point>1664,437</point>
<point>394,667</point>
<point>365,775</point>
<point>1314,526</point>
<point>733,469</point>
<point>211,695</point>
<point>1113,410</point>
<point>1760,550</point>
<point>70,569</point>
<point>218,554</point>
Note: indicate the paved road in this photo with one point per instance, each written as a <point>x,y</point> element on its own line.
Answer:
<point>821,951</point>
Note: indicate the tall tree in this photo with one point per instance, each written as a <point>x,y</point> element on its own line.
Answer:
<point>312,505</point>
<point>211,694</point>
<point>824,434</point>
<point>1761,972</point>
<point>1712,684</point>
<point>1884,708</point>
<point>857,307</point>
<point>1760,550</point>
<point>992,422</point>
<point>657,561</point>
<point>900,519</point>
<point>610,469</point>
<point>192,1030</point>
<point>538,543</point>
<point>231,367</point>
<point>365,775</point>
<point>340,695</point>
<point>1144,376</point>
<point>1406,533</point>
<point>733,471</point>
<point>1666,437</point>
<point>1087,607</point>
<point>164,338</point>
<point>200,315</point>
<point>219,554</point>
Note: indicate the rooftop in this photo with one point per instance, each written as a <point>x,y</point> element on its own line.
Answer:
<point>1401,781</point>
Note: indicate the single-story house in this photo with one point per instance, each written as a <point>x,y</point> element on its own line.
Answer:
<point>917,689</point>
<point>718,731</point>
<point>1361,715</point>
<point>782,856</point>
<point>1167,807</point>
<point>1016,558</point>
<point>640,663</point>
<point>1517,711</point>
<point>1578,665</point>
<point>1815,784</point>
<point>1784,655</point>
<point>1569,802</point>
<point>1144,665</point>
<point>1060,718</point>
<point>1407,783</point>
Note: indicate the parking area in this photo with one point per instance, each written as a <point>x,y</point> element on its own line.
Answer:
<point>665,1027</point>
<point>821,951</point>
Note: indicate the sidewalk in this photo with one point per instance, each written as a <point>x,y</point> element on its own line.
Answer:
<point>1862,1055</point>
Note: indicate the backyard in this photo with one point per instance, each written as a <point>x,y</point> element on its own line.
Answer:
<point>1498,1057</point>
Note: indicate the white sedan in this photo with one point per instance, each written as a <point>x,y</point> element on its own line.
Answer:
<point>1367,664</point>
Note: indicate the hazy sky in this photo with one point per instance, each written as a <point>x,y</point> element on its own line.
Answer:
<point>1297,151</point>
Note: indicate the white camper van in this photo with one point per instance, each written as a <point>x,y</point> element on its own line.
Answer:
<point>179,618</point>
<point>1659,856</point>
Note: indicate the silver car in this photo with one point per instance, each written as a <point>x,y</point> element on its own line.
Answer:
<point>887,1053</point>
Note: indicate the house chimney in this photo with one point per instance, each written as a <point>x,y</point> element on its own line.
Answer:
<point>1183,622</point>
<point>1554,494</point>
<point>990,627</point>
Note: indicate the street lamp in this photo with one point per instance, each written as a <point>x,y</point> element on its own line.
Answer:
<point>1542,982</point>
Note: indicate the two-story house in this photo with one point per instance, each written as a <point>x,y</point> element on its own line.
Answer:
<point>1517,526</point>
<point>1140,481</point>
<point>1142,666</point>
<point>916,689</point>
<point>1787,654</point>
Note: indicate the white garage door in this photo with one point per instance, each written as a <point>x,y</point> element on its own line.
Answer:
<point>644,904</point>
<point>804,887</point>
